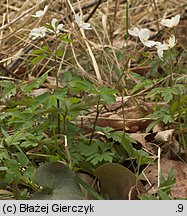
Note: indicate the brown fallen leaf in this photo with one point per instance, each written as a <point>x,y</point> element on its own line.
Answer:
<point>144,141</point>
<point>171,146</point>
<point>131,119</point>
<point>115,124</point>
<point>39,91</point>
<point>164,136</point>
<point>117,182</point>
<point>180,190</point>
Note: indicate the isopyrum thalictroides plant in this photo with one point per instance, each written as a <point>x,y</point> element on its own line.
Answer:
<point>98,152</point>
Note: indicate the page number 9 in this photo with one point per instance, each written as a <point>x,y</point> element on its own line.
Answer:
<point>180,208</point>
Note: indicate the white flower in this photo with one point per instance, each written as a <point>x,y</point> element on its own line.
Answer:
<point>38,32</point>
<point>170,43</point>
<point>56,27</point>
<point>81,24</point>
<point>171,22</point>
<point>143,35</point>
<point>40,13</point>
<point>160,50</point>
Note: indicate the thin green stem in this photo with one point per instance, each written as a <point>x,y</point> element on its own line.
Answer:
<point>56,74</point>
<point>97,115</point>
<point>171,67</point>
<point>127,20</point>
<point>56,142</point>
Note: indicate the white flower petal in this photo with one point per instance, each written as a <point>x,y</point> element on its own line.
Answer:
<point>144,34</point>
<point>53,23</point>
<point>56,28</point>
<point>86,26</point>
<point>174,21</point>
<point>81,24</point>
<point>165,46</point>
<point>149,43</point>
<point>160,53</point>
<point>157,43</point>
<point>78,19</point>
<point>160,49</point>
<point>134,32</point>
<point>45,9</point>
<point>171,41</point>
<point>40,13</point>
<point>60,26</point>
<point>38,32</point>
<point>166,22</point>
